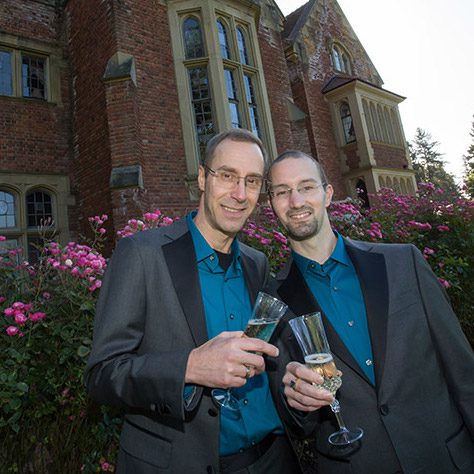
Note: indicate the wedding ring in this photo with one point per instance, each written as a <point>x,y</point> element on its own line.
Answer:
<point>292,384</point>
<point>247,372</point>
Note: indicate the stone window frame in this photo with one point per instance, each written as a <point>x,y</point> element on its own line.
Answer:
<point>20,186</point>
<point>209,11</point>
<point>19,47</point>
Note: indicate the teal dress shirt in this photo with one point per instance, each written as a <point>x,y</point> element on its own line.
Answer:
<point>227,307</point>
<point>336,287</point>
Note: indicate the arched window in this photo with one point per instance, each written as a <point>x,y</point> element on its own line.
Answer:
<point>252,104</point>
<point>39,209</point>
<point>347,124</point>
<point>193,44</point>
<point>7,210</point>
<point>242,44</point>
<point>223,40</point>
<point>340,59</point>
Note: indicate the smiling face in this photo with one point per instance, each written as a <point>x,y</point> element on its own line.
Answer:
<point>303,214</point>
<point>223,211</point>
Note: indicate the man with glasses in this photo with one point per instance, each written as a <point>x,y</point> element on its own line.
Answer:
<point>408,370</point>
<point>168,329</point>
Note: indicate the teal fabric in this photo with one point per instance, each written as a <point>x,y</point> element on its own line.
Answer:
<point>228,308</point>
<point>336,287</point>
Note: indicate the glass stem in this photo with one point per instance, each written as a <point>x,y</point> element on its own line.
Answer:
<point>336,409</point>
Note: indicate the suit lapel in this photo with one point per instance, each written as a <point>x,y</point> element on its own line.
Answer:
<point>372,272</point>
<point>296,294</point>
<point>181,261</point>
<point>251,275</point>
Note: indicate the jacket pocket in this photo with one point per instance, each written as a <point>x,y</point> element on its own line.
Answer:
<point>461,449</point>
<point>146,446</point>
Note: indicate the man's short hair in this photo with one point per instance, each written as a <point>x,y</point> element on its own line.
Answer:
<point>235,135</point>
<point>299,154</point>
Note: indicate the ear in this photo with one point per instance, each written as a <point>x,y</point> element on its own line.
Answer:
<point>201,178</point>
<point>329,192</point>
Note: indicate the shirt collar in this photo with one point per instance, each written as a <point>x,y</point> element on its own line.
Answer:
<point>205,253</point>
<point>338,255</point>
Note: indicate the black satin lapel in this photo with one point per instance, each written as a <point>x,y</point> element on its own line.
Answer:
<point>296,294</point>
<point>251,275</point>
<point>372,272</point>
<point>181,261</point>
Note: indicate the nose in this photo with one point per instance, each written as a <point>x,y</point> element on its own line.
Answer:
<point>296,199</point>
<point>239,191</point>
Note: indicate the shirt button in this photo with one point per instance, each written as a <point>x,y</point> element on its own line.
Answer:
<point>350,323</point>
<point>253,443</point>
<point>312,265</point>
<point>335,288</point>
<point>231,316</point>
<point>241,450</point>
<point>368,362</point>
<point>211,257</point>
<point>246,402</point>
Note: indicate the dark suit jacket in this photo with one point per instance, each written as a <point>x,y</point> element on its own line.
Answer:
<point>149,317</point>
<point>419,416</point>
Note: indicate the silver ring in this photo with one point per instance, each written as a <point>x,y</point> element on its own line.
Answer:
<point>247,372</point>
<point>292,384</point>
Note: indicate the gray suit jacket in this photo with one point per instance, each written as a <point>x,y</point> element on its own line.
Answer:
<point>419,416</point>
<point>149,317</point>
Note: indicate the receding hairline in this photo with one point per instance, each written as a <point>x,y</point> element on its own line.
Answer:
<point>296,154</point>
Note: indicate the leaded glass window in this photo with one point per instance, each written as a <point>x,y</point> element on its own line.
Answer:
<point>39,209</point>
<point>347,124</point>
<point>252,104</point>
<point>7,210</point>
<point>202,106</point>
<point>193,44</point>
<point>33,76</point>
<point>242,44</point>
<point>223,40</point>
<point>232,97</point>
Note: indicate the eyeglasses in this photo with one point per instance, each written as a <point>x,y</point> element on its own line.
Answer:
<point>228,179</point>
<point>282,193</point>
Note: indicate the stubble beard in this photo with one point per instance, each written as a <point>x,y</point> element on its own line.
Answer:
<point>303,231</point>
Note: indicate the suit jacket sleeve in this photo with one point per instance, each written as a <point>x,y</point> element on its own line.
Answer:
<point>453,349</point>
<point>119,370</point>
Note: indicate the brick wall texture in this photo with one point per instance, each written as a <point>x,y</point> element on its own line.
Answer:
<point>99,125</point>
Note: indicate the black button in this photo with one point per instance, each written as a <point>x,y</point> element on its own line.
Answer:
<point>212,412</point>
<point>384,410</point>
<point>231,316</point>
<point>241,450</point>
<point>209,469</point>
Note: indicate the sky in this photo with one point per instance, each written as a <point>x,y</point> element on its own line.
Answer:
<point>424,51</point>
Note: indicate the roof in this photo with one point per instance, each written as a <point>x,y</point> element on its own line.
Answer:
<point>296,20</point>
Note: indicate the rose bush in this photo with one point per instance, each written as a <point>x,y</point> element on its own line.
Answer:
<point>47,422</point>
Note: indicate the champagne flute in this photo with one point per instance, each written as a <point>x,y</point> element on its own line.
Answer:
<point>263,321</point>
<point>311,337</point>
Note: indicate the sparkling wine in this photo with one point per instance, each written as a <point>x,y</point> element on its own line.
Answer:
<point>261,328</point>
<point>324,365</point>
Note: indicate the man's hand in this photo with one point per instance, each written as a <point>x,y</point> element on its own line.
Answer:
<point>300,392</point>
<point>227,360</point>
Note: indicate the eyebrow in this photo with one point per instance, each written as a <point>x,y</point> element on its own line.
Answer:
<point>305,181</point>
<point>233,170</point>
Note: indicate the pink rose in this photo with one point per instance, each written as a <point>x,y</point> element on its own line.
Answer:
<point>12,330</point>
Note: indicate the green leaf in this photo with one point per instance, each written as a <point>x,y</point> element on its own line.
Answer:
<point>22,386</point>
<point>83,351</point>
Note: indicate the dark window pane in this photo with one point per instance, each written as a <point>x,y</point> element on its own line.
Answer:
<point>193,44</point>
<point>7,210</point>
<point>244,57</point>
<point>252,105</point>
<point>39,209</point>
<point>336,59</point>
<point>33,77</point>
<point>223,42</point>
<point>35,244</point>
<point>347,124</point>
<point>232,97</point>
<point>201,102</point>
<point>6,87</point>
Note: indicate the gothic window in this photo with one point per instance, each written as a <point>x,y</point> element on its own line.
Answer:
<point>243,52</point>
<point>340,59</point>
<point>223,40</point>
<point>232,98</point>
<point>347,124</point>
<point>193,44</point>
<point>252,104</point>
<point>7,210</point>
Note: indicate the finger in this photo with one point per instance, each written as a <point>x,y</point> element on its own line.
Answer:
<point>253,344</point>
<point>297,370</point>
<point>314,400</point>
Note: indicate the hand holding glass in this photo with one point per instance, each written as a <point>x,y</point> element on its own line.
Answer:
<point>311,337</point>
<point>263,321</point>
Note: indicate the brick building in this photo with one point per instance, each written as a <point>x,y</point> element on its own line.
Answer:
<point>106,105</point>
